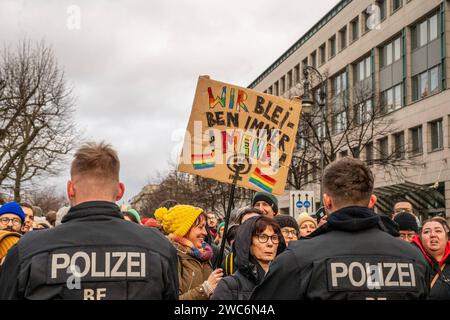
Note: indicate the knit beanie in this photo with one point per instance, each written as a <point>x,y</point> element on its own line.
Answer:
<point>12,208</point>
<point>267,197</point>
<point>135,214</point>
<point>7,240</point>
<point>406,221</point>
<point>179,219</point>
<point>286,221</point>
<point>303,217</point>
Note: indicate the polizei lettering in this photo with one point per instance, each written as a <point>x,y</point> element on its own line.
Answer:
<point>97,265</point>
<point>372,274</point>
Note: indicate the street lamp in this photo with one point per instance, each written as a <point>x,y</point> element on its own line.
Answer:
<point>308,101</point>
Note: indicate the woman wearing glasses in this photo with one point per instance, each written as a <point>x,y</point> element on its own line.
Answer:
<point>289,227</point>
<point>258,241</point>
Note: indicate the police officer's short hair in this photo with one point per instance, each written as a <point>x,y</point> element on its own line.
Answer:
<point>98,160</point>
<point>348,180</point>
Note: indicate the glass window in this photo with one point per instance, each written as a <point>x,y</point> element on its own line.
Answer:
<point>424,89</point>
<point>399,140</point>
<point>423,33</point>
<point>314,59</point>
<point>434,80</point>
<point>369,154</point>
<point>398,97</point>
<point>437,141</point>
<point>368,67</point>
<point>355,29</point>
<point>396,4</point>
<point>433,27</point>
<point>388,54</point>
<point>384,149</point>
<point>343,38</point>
<point>397,49</point>
<point>382,6</point>
<point>322,54</point>
<point>332,46</point>
<point>390,99</point>
<point>416,139</point>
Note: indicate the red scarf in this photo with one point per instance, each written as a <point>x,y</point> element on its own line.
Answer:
<point>416,241</point>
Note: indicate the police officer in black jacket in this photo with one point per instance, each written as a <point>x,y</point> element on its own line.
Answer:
<point>350,257</point>
<point>94,254</point>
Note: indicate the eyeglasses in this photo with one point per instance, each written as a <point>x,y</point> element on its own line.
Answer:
<point>287,233</point>
<point>263,238</point>
<point>5,221</point>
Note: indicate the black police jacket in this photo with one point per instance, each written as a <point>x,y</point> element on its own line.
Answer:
<point>94,254</point>
<point>350,257</point>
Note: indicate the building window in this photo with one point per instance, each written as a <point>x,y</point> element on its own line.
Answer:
<point>297,73</point>
<point>282,85</point>
<point>392,99</point>
<point>382,6</point>
<point>396,4</point>
<point>314,59</point>
<point>339,122</point>
<point>275,91</point>
<point>304,64</point>
<point>363,112</point>
<point>399,145</point>
<point>321,131</point>
<point>416,141</point>
<point>269,91</point>
<point>322,53</point>
<point>355,29</point>
<point>425,32</point>
<point>289,80</point>
<point>339,83</point>
<point>369,153</point>
<point>343,38</point>
<point>384,149</point>
<point>391,52</point>
<point>426,83</point>
<point>366,26</point>
<point>437,137</point>
<point>363,70</point>
<point>332,46</point>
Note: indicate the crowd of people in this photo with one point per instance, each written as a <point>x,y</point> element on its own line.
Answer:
<point>93,250</point>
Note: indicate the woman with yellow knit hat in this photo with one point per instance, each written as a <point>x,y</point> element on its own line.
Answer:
<point>185,226</point>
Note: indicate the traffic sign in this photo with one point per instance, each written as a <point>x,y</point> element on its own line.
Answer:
<point>299,204</point>
<point>307,204</point>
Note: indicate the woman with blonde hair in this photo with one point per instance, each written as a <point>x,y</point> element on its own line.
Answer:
<point>185,226</point>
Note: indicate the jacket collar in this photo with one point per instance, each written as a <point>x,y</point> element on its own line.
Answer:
<point>92,209</point>
<point>350,219</point>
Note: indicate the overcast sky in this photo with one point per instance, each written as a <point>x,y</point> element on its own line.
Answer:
<point>134,64</point>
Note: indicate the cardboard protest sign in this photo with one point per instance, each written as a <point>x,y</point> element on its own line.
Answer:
<point>231,125</point>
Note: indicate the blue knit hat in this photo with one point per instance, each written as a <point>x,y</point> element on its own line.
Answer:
<point>12,208</point>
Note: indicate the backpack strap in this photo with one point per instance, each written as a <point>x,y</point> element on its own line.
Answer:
<point>439,273</point>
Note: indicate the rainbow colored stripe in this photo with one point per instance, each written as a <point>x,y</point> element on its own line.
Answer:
<point>262,181</point>
<point>203,161</point>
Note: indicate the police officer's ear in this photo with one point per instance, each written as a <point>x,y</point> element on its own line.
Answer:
<point>372,201</point>
<point>120,192</point>
<point>327,202</point>
<point>70,190</point>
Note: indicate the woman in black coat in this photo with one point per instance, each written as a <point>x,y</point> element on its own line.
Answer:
<point>257,242</point>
